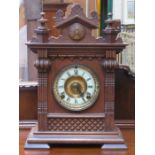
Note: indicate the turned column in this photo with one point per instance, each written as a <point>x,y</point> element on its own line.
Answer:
<point>109,65</point>
<point>43,65</point>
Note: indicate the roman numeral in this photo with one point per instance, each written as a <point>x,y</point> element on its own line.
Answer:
<point>68,74</point>
<point>63,79</point>
<point>90,86</point>
<point>83,99</point>
<point>76,101</point>
<point>62,95</point>
<point>83,73</point>
<point>75,71</point>
<point>68,99</point>
<point>88,79</point>
<point>88,95</point>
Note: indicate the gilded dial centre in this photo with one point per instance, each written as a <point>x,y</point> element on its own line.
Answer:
<point>76,87</point>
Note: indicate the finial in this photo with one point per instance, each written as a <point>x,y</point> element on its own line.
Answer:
<point>111,31</point>
<point>59,15</point>
<point>94,15</point>
<point>42,21</point>
<point>109,21</point>
<point>42,31</point>
<point>76,9</point>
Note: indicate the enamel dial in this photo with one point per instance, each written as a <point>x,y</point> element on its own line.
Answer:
<point>76,87</point>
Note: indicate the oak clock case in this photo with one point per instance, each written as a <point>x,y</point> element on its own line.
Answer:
<point>76,87</point>
<point>76,82</point>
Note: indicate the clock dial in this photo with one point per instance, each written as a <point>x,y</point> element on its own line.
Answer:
<point>76,87</point>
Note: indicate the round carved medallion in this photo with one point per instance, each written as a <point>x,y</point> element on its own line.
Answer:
<point>76,31</point>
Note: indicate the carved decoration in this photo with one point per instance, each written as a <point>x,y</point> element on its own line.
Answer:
<point>77,57</point>
<point>42,100</point>
<point>77,31</point>
<point>59,15</point>
<point>110,62</point>
<point>77,10</point>
<point>109,86</point>
<point>76,124</point>
<point>94,15</point>
<point>111,31</point>
<point>81,25</point>
<point>100,54</point>
<point>42,32</point>
<point>109,65</point>
<point>77,14</point>
<point>43,65</point>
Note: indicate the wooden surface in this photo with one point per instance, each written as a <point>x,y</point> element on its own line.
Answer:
<point>124,106</point>
<point>50,10</point>
<point>124,94</point>
<point>76,46</point>
<point>28,103</point>
<point>128,134</point>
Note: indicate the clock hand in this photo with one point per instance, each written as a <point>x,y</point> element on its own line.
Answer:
<point>80,92</point>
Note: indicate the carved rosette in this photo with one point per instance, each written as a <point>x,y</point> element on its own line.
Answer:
<point>77,31</point>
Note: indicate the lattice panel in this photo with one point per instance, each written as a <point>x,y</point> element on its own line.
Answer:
<point>76,124</point>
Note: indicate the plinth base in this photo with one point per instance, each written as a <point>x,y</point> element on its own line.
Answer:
<point>114,146</point>
<point>43,139</point>
<point>36,146</point>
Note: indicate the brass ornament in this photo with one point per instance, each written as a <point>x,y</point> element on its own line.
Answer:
<point>75,86</point>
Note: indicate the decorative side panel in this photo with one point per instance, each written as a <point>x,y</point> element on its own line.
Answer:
<point>109,65</point>
<point>76,124</point>
<point>109,100</point>
<point>43,65</point>
<point>42,101</point>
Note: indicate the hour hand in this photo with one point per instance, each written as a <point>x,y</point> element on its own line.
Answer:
<point>81,94</point>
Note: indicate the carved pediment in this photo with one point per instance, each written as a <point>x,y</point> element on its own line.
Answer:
<point>77,16</point>
<point>76,27</point>
<point>90,23</point>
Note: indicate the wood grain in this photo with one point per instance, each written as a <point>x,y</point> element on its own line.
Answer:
<point>129,135</point>
<point>125,82</point>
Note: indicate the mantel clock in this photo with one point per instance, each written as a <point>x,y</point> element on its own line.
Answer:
<point>76,82</point>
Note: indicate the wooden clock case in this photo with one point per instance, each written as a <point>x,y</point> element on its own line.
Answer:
<point>57,125</point>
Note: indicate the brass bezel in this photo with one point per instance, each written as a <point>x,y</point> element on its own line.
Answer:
<point>87,104</point>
